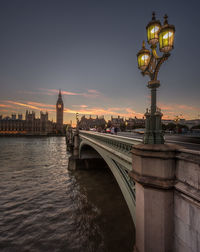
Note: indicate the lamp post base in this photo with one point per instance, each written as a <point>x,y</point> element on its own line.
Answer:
<point>153,130</point>
<point>153,138</point>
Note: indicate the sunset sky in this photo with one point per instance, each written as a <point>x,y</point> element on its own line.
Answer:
<point>87,48</point>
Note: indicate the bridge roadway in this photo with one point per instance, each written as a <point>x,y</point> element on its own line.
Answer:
<point>188,142</point>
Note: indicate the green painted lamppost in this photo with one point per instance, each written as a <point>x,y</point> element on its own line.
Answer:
<point>149,63</point>
<point>77,121</point>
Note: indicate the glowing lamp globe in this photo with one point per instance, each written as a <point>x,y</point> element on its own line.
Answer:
<point>166,37</point>
<point>153,29</point>
<point>143,57</point>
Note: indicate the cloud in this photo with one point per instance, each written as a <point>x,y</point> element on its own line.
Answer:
<point>178,106</point>
<point>91,93</point>
<point>28,92</point>
<point>80,106</point>
<point>70,111</point>
<point>6,110</point>
<point>115,109</point>
<point>55,91</point>
<point>23,105</point>
<point>182,110</point>
<point>81,109</point>
<point>29,105</point>
<point>186,107</point>
<point>6,106</point>
<point>165,107</point>
<point>169,110</point>
<point>41,104</point>
<point>123,112</point>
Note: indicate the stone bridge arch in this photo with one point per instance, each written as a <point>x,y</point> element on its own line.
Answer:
<point>90,151</point>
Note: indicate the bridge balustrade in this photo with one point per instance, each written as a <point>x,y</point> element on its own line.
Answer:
<point>119,143</point>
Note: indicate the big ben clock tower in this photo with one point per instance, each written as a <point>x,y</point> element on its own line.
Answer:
<point>59,113</point>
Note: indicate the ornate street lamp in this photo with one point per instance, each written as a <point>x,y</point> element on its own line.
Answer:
<point>149,63</point>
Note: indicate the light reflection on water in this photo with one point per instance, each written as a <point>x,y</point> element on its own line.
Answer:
<point>44,207</point>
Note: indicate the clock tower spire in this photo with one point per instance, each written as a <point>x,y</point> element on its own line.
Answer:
<point>59,113</point>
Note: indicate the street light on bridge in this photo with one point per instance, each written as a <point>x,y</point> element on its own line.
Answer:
<point>77,120</point>
<point>149,63</point>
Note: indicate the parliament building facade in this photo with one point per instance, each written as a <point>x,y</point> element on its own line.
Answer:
<point>16,125</point>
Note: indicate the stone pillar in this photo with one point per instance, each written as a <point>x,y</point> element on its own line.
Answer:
<point>154,174</point>
<point>74,162</point>
<point>76,143</point>
<point>70,140</point>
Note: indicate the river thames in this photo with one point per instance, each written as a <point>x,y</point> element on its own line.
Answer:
<point>45,207</point>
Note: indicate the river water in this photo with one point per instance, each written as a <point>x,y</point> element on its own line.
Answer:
<point>45,207</point>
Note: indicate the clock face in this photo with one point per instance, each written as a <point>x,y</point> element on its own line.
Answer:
<point>59,106</point>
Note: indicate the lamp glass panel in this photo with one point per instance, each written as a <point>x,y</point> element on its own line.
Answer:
<point>143,60</point>
<point>166,40</point>
<point>152,32</point>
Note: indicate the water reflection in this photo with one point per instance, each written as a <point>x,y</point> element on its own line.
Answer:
<point>46,208</point>
<point>110,215</point>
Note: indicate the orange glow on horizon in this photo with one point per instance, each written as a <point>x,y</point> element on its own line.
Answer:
<point>169,110</point>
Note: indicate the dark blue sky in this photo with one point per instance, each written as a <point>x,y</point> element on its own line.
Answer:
<point>88,48</point>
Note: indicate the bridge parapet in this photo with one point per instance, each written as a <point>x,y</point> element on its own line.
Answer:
<point>167,198</point>
<point>187,201</point>
<point>119,143</point>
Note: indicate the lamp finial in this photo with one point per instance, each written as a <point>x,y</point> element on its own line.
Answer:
<point>143,45</point>
<point>153,15</point>
<point>165,21</point>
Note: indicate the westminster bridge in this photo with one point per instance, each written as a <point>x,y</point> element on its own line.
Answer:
<point>159,182</point>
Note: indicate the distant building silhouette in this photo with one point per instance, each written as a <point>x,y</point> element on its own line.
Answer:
<point>116,122</point>
<point>15,125</point>
<point>87,123</point>
<point>30,126</point>
<point>133,123</point>
<point>59,113</point>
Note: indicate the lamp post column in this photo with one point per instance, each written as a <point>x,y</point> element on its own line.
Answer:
<point>153,99</point>
<point>154,163</point>
<point>153,131</point>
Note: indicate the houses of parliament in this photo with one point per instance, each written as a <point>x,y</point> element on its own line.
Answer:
<point>16,125</point>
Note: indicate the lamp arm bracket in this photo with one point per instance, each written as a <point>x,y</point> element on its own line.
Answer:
<point>154,52</point>
<point>158,65</point>
<point>147,72</point>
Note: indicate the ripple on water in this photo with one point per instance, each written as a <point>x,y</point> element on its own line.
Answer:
<point>46,208</point>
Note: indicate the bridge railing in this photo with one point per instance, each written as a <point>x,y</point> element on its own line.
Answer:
<point>119,143</point>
